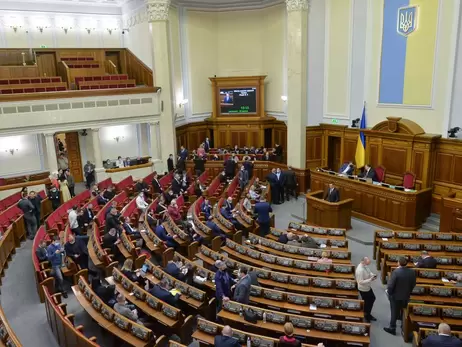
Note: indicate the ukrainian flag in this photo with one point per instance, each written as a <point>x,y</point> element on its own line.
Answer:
<point>360,156</point>
<point>408,52</point>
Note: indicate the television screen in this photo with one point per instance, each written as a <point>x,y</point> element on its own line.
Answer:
<point>238,100</point>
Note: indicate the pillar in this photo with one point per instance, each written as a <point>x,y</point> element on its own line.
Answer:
<point>297,65</point>
<point>100,172</point>
<point>158,18</point>
<point>52,159</point>
<point>155,147</point>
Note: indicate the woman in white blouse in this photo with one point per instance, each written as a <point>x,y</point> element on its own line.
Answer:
<point>120,162</point>
<point>247,204</point>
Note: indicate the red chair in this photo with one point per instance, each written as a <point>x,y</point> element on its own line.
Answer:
<point>14,81</point>
<point>84,87</point>
<point>7,91</point>
<point>380,172</point>
<point>35,80</point>
<point>46,80</point>
<point>103,86</point>
<point>113,86</point>
<point>39,90</point>
<point>123,77</point>
<point>60,88</point>
<point>24,80</point>
<point>409,180</point>
<point>106,78</point>
<point>94,87</point>
<point>18,91</point>
<point>51,89</point>
<point>29,90</point>
<point>3,81</point>
<point>114,77</point>
<point>123,85</point>
<point>56,79</point>
<point>97,78</point>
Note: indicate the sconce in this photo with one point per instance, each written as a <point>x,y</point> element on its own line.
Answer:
<point>89,30</point>
<point>284,98</point>
<point>12,150</point>
<point>66,29</point>
<point>183,102</point>
<point>40,28</point>
<point>15,27</point>
<point>118,138</point>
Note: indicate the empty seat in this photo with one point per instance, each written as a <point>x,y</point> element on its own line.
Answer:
<point>24,80</point>
<point>35,80</point>
<point>14,81</point>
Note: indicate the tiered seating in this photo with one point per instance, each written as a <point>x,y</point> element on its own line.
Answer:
<point>31,85</point>
<point>83,64</point>
<point>9,201</point>
<point>104,82</point>
<point>104,184</point>
<point>435,277</point>
<point>77,59</point>
<point>58,218</point>
<point>62,324</point>
<point>203,179</point>
<point>214,190</point>
<point>7,249</point>
<point>4,181</point>
<point>306,228</point>
<point>322,236</point>
<point>122,77</point>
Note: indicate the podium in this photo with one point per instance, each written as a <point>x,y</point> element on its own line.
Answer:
<point>451,214</point>
<point>328,214</point>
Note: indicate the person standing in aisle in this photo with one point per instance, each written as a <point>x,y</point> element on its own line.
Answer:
<point>364,278</point>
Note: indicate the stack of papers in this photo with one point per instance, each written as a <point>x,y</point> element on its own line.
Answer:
<point>313,307</point>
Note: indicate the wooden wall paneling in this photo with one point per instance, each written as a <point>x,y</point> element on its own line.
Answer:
<point>73,154</point>
<point>373,157</point>
<point>394,160</point>
<point>14,57</point>
<point>18,71</point>
<point>443,167</point>
<point>46,63</point>
<point>417,164</point>
<point>456,175</point>
<point>314,147</point>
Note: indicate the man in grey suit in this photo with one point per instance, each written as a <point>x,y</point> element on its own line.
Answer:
<point>242,287</point>
<point>28,211</point>
<point>243,177</point>
<point>399,290</point>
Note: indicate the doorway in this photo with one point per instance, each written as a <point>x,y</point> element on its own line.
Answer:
<point>46,63</point>
<point>334,146</point>
<point>68,152</point>
<point>114,57</point>
<point>268,138</point>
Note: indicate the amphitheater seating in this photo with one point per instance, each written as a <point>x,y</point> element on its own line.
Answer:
<point>437,294</point>
<point>107,84</point>
<point>72,59</point>
<point>321,239</point>
<point>31,80</point>
<point>33,88</point>
<point>58,218</point>
<point>83,64</point>
<point>4,181</point>
<point>121,77</point>
<point>433,276</point>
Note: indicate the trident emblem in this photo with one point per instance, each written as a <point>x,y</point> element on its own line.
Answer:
<point>407,20</point>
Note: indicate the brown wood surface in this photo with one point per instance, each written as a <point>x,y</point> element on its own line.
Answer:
<point>73,155</point>
<point>128,168</point>
<point>328,214</point>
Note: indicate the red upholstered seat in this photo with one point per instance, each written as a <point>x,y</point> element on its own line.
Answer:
<point>380,171</point>
<point>409,180</point>
<point>84,87</point>
<point>56,79</point>
<point>94,86</point>
<point>14,81</point>
<point>106,78</point>
<point>35,80</point>
<point>24,80</point>
<point>7,91</point>
<point>18,91</point>
<point>61,88</point>
<point>39,90</point>
<point>29,90</point>
<point>46,80</point>
<point>97,78</point>
<point>3,81</point>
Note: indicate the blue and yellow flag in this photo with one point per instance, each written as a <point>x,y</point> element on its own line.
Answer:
<point>360,156</point>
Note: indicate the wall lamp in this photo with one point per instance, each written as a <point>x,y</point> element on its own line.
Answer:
<point>89,30</point>
<point>15,27</point>
<point>183,102</point>
<point>40,28</point>
<point>11,150</point>
<point>66,29</point>
<point>118,138</point>
<point>110,30</point>
<point>284,98</point>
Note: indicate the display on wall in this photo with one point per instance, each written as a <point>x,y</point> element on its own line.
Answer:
<point>238,100</point>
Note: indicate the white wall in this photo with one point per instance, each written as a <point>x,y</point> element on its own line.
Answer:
<point>456,105</point>
<point>138,37</point>
<point>27,157</point>
<point>127,146</point>
<point>53,35</point>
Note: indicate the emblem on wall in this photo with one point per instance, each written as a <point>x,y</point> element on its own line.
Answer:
<point>407,20</point>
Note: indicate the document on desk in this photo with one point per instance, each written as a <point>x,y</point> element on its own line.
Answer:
<point>313,307</point>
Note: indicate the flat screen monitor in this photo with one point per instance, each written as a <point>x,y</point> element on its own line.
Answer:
<point>238,100</point>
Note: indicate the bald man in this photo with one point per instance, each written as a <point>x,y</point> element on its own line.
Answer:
<point>443,339</point>
<point>364,277</point>
<point>226,338</point>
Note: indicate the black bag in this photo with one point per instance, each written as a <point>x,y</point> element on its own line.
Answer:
<point>250,315</point>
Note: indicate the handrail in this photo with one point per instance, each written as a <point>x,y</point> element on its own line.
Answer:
<point>25,184</point>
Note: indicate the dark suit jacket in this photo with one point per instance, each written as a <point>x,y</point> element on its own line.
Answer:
<point>141,186</point>
<point>401,283</point>
<point>156,186</point>
<point>87,216</point>
<point>428,263</point>
<point>173,270</point>
<point>170,164</point>
<point>112,222</point>
<point>101,200</point>
<point>176,187</point>
<point>165,295</point>
<point>441,341</point>
<point>225,341</point>
<point>283,239</point>
<point>290,179</point>
<point>263,209</point>
<point>183,154</point>
<point>370,174</point>
<point>332,196</point>
<point>248,165</point>
<point>349,171</point>
<point>207,146</point>
<point>230,167</point>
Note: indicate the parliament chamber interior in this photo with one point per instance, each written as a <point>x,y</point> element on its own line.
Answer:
<point>231,173</point>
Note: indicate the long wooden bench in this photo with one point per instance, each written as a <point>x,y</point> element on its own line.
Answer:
<point>289,265</point>
<point>290,282</point>
<point>426,315</point>
<point>317,328</point>
<point>282,250</point>
<point>206,331</point>
<point>331,241</point>
<point>27,80</point>
<point>435,277</point>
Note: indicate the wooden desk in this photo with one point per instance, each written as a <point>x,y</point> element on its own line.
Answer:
<point>328,214</point>
<point>279,328</point>
<point>104,323</point>
<point>387,207</point>
<point>451,214</point>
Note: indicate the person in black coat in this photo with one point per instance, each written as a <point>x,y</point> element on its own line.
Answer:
<point>290,183</point>
<point>426,261</point>
<point>280,183</point>
<point>175,268</point>
<point>109,193</point>
<point>262,210</point>
<point>199,165</point>
<point>156,186</point>
<point>399,289</point>
<point>36,201</point>
<point>88,214</point>
<point>248,165</point>
<point>332,194</point>
<point>101,200</point>
<point>112,220</point>
<point>77,250</point>
<point>170,165</point>
<point>273,181</point>
<point>278,153</point>
<point>226,338</point>
<point>230,167</point>
<point>54,197</point>
<point>177,185</point>
<point>443,339</point>
<point>111,240</point>
<point>162,292</point>
<point>369,172</point>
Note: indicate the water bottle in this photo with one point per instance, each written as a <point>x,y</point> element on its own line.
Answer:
<point>264,317</point>
<point>249,344</point>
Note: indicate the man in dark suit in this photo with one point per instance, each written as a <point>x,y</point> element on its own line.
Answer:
<point>332,194</point>
<point>183,153</point>
<point>290,183</point>
<point>281,179</point>
<point>206,208</point>
<point>226,338</point>
<point>278,153</point>
<point>227,99</point>
<point>162,292</point>
<point>426,261</point>
<point>156,186</point>
<point>443,339</point>
<point>399,290</point>
<point>175,268</point>
<point>273,181</point>
<point>129,230</point>
<point>347,169</point>
<point>230,167</point>
<point>262,210</point>
<point>164,236</point>
<point>243,177</point>
<point>369,172</point>
<point>88,214</point>
<point>101,200</point>
<point>248,166</point>
<point>112,220</point>
<point>170,165</point>
<point>177,186</point>
<point>207,145</point>
<point>199,165</point>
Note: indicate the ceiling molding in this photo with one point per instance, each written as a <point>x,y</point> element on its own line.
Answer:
<point>226,5</point>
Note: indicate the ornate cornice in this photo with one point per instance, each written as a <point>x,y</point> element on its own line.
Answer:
<point>297,5</point>
<point>157,10</point>
<point>136,17</point>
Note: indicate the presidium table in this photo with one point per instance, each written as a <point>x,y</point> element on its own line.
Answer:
<point>374,203</point>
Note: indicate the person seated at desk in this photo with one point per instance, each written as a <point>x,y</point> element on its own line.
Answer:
<point>152,221</point>
<point>129,230</point>
<point>126,310</point>
<point>216,231</point>
<point>162,234</point>
<point>253,193</point>
<point>267,157</point>
<point>347,169</point>
<point>288,339</point>
<point>101,200</point>
<point>105,293</point>
<point>161,207</point>
<point>443,339</point>
<point>162,292</point>
<point>109,194</point>
<point>156,186</point>
<point>226,338</point>
<point>174,212</point>
<point>247,204</point>
<point>88,215</point>
<point>215,157</point>
<point>193,234</point>
<point>108,211</point>
<point>426,261</point>
<point>198,189</point>
<point>222,177</point>
<point>41,251</point>
<point>120,163</point>
<point>332,194</point>
<point>206,208</point>
<point>113,220</point>
<point>175,268</point>
<point>76,249</point>
<point>111,240</point>
<point>324,258</point>
<point>127,270</point>
<point>169,196</point>
<point>369,172</point>
<point>228,204</point>
<point>231,216</point>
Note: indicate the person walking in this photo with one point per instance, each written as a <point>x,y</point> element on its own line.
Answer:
<point>28,211</point>
<point>364,278</point>
<point>70,182</point>
<point>223,283</point>
<point>36,201</point>
<point>399,289</point>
